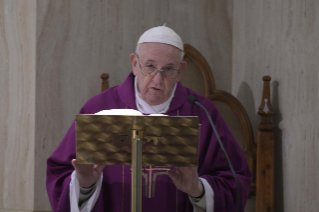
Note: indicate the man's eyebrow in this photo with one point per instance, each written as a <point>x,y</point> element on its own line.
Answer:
<point>168,64</point>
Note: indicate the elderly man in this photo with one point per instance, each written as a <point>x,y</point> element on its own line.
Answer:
<point>152,87</point>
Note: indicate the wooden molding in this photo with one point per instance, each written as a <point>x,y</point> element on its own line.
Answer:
<point>105,81</point>
<point>203,66</point>
<point>265,196</point>
<point>266,102</point>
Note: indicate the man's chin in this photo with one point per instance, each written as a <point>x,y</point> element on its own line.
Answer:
<point>154,101</point>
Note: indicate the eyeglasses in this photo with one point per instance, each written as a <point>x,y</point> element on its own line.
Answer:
<point>151,71</point>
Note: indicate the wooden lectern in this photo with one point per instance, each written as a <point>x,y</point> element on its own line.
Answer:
<point>137,141</point>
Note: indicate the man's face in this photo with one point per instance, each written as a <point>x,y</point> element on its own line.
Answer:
<point>156,89</point>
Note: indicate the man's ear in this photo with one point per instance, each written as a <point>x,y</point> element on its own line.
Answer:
<point>133,59</point>
<point>183,66</point>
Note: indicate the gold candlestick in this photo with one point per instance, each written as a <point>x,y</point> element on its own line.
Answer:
<point>136,194</point>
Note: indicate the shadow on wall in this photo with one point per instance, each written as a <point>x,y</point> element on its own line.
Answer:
<point>277,118</point>
<point>245,96</point>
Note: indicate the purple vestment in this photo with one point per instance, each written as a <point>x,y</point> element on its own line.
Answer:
<point>115,195</point>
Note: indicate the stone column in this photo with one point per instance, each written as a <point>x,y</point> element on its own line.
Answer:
<point>17,110</point>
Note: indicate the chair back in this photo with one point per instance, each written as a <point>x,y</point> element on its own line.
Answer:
<point>198,76</point>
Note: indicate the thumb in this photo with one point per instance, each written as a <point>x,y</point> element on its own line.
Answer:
<point>74,164</point>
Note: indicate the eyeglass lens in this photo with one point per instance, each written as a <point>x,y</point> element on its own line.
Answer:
<point>151,71</point>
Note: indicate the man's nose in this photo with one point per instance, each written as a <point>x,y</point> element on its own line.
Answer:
<point>158,77</point>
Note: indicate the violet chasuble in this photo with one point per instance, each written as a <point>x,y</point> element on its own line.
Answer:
<point>159,192</point>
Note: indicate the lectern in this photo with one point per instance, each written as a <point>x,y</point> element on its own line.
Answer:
<point>137,141</point>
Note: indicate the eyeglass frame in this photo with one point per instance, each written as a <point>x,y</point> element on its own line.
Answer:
<point>157,70</point>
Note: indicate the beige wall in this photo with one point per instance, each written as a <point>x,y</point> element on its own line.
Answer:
<point>280,38</point>
<point>17,100</point>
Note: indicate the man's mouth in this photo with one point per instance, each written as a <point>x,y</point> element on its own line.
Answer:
<point>155,89</point>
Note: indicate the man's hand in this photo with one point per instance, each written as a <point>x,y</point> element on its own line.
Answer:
<point>186,180</point>
<point>87,174</point>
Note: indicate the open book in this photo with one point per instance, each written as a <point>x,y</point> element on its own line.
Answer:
<point>125,112</point>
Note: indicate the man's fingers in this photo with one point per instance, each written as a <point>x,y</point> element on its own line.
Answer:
<point>80,167</point>
<point>74,164</point>
<point>186,170</point>
<point>99,168</point>
<point>83,167</point>
<point>172,174</point>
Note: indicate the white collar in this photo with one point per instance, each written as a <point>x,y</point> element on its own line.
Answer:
<point>143,107</point>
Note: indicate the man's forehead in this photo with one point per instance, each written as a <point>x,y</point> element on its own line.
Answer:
<point>158,49</point>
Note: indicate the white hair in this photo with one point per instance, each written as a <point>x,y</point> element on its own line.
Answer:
<point>138,46</point>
